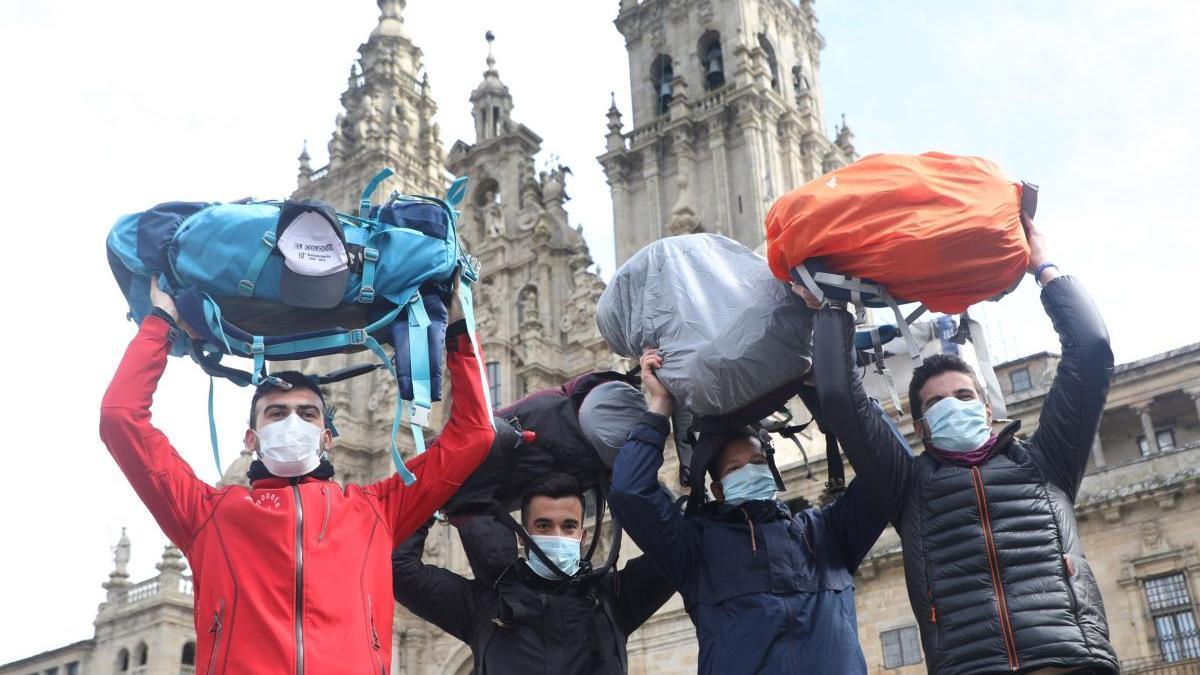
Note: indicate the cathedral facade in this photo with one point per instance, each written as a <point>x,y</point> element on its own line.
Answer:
<point>726,116</point>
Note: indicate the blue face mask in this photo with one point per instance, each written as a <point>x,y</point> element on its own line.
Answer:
<point>751,482</point>
<point>562,551</point>
<point>958,426</point>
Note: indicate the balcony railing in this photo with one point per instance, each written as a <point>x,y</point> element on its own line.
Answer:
<point>1156,665</point>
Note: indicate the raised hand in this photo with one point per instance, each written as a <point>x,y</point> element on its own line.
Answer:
<point>660,399</point>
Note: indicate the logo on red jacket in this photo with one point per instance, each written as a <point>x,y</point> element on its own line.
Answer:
<point>267,500</point>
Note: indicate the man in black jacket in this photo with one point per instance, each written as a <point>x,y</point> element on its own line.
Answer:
<point>995,570</point>
<point>529,619</point>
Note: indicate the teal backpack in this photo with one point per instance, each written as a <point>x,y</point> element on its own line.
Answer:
<point>270,281</point>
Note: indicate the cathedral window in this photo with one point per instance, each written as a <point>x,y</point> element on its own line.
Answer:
<point>123,661</point>
<point>712,62</point>
<point>772,62</point>
<point>188,657</point>
<point>495,121</point>
<point>142,654</point>
<point>661,74</point>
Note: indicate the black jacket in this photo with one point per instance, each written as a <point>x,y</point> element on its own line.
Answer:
<point>995,570</point>
<point>523,623</point>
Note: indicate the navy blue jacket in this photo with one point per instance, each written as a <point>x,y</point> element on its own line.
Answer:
<point>769,592</point>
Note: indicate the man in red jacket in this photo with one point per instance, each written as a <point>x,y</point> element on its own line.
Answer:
<point>292,575</point>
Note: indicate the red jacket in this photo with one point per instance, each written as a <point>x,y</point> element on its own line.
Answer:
<point>287,578</point>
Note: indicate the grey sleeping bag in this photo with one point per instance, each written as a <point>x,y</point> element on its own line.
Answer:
<point>728,330</point>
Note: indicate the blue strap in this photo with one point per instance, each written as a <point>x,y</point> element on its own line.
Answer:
<point>405,475</point>
<point>470,275</point>
<point>212,428</point>
<point>364,204</point>
<point>259,353</point>
<point>418,353</point>
<point>246,285</point>
<point>216,325</point>
<point>366,292</point>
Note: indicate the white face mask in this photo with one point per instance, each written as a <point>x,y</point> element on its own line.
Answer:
<point>562,551</point>
<point>290,447</point>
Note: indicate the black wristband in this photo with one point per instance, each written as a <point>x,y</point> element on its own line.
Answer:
<point>162,314</point>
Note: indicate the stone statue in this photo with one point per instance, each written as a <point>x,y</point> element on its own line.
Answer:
<point>121,553</point>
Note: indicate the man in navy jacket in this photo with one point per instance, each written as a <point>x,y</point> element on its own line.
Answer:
<point>768,591</point>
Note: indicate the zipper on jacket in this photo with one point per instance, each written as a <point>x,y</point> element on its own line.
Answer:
<point>325,520</point>
<point>374,636</point>
<point>299,580</point>
<point>753,541</point>
<point>1010,642</point>
<point>215,630</point>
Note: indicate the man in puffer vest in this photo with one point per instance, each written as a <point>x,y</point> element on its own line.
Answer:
<point>995,570</point>
<point>769,591</point>
<point>292,575</point>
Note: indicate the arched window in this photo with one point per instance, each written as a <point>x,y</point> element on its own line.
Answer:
<point>141,654</point>
<point>493,375</point>
<point>188,657</point>
<point>123,661</point>
<point>799,82</point>
<point>661,74</point>
<point>712,61</point>
<point>772,62</point>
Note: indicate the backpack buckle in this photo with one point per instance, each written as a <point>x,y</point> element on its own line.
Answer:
<point>370,254</point>
<point>366,295</point>
<point>419,415</point>
<point>246,287</point>
<point>357,337</point>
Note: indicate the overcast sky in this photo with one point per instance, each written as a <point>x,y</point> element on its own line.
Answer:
<point>112,107</point>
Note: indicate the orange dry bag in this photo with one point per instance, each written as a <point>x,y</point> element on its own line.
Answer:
<point>938,229</point>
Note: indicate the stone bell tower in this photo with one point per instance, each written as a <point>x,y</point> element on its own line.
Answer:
<point>727,116</point>
<point>537,294</point>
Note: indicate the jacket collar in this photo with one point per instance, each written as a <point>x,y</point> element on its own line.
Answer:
<point>260,477</point>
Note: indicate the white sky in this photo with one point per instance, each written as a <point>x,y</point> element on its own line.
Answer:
<point>112,107</point>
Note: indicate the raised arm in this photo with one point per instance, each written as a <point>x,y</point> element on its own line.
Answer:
<point>1071,412</point>
<point>640,590</point>
<point>644,507</point>
<point>855,522</point>
<point>459,449</point>
<point>436,595</point>
<point>177,499</point>
<point>876,448</point>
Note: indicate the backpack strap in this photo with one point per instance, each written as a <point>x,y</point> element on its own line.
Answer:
<point>246,285</point>
<point>418,354</point>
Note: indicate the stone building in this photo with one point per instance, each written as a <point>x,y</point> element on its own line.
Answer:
<point>726,116</point>
<point>142,628</point>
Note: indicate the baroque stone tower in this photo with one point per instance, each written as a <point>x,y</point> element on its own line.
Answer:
<point>727,117</point>
<point>537,298</point>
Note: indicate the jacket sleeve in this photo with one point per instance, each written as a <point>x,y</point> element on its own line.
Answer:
<point>436,595</point>
<point>876,448</point>
<point>177,499</point>
<point>1071,412</point>
<point>640,590</point>
<point>855,522</point>
<point>459,449</point>
<point>644,507</point>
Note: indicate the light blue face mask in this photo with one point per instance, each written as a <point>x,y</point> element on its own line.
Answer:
<point>562,551</point>
<point>958,426</point>
<point>749,483</point>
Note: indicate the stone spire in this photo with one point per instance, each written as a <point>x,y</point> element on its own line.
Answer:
<point>391,19</point>
<point>491,102</point>
<point>305,172</point>
<point>616,140</point>
<point>845,139</point>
